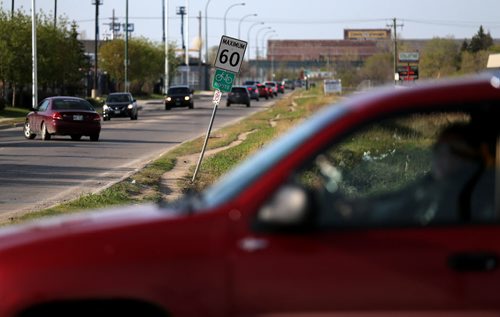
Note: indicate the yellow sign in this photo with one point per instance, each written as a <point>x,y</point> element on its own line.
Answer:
<point>367,34</point>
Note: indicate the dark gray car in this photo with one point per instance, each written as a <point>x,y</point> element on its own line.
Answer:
<point>120,104</point>
<point>238,95</point>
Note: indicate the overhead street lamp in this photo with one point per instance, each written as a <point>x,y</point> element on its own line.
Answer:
<point>225,14</point>
<point>272,55</point>
<point>206,31</point>
<point>248,35</point>
<point>257,42</point>
<point>264,38</point>
<point>241,20</point>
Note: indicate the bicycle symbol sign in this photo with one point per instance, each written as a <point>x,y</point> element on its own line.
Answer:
<point>223,80</point>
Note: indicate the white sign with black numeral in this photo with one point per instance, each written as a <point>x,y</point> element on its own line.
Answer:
<point>230,54</point>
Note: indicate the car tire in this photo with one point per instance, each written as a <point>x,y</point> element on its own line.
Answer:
<point>94,137</point>
<point>248,105</point>
<point>106,118</point>
<point>45,133</point>
<point>27,131</point>
<point>191,106</point>
<point>228,104</point>
<point>257,99</point>
<point>134,117</point>
<point>167,108</point>
<point>76,137</point>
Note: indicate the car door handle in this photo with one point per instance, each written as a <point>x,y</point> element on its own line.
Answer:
<point>473,261</point>
<point>251,244</point>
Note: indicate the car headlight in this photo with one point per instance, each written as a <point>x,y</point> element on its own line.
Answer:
<point>186,98</point>
<point>169,98</point>
<point>105,107</point>
<point>130,106</point>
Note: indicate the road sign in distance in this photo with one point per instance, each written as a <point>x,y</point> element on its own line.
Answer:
<point>230,54</point>
<point>223,80</point>
<point>409,57</point>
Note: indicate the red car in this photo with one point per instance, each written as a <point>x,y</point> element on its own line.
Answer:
<point>263,91</point>
<point>383,205</point>
<point>63,116</point>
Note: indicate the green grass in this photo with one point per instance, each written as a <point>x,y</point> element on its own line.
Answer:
<point>12,115</point>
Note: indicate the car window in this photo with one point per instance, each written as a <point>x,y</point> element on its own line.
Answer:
<point>178,90</point>
<point>43,106</point>
<point>119,98</point>
<point>71,104</point>
<point>419,170</point>
<point>239,89</point>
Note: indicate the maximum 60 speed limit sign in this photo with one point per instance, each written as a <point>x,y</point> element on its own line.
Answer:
<point>230,54</point>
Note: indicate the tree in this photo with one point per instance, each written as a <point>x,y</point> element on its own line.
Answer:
<point>378,68</point>
<point>146,62</point>
<point>440,57</point>
<point>480,42</point>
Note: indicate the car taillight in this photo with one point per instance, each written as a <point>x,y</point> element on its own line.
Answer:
<point>96,117</point>
<point>57,116</point>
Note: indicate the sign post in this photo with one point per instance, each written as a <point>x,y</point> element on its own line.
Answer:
<point>227,63</point>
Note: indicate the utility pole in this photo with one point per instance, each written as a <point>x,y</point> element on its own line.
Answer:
<point>163,21</point>
<point>55,14</point>
<point>395,25</point>
<point>97,3</point>
<point>182,11</point>
<point>12,9</point>
<point>165,28</point>
<point>200,75</point>
<point>126,46</point>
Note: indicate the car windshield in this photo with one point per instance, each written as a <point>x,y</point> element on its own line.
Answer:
<point>71,104</point>
<point>119,98</point>
<point>239,89</point>
<point>178,91</point>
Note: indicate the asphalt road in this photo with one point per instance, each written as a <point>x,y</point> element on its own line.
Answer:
<point>36,174</point>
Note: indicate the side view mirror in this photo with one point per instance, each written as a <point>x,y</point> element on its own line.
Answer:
<point>289,209</point>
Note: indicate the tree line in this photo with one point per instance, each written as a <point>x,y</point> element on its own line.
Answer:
<point>64,68</point>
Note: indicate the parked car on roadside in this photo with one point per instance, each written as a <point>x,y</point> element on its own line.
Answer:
<point>238,95</point>
<point>63,116</point>
<point>179,96</point>
<point>253,91</point>
<point>384,204</point>
<point>120,104</point>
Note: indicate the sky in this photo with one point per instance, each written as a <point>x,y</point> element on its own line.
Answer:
<point>283,19</point>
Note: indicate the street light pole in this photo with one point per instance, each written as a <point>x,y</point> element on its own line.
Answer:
<point>248,36</point>
<point>241,20</point>
<point>97,3</point>
<point>225,14</point>
<point>257,50</point>
<point>264,38</point>
<point>206,32</point>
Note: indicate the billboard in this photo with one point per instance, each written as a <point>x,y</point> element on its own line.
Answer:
<point>367,34</point>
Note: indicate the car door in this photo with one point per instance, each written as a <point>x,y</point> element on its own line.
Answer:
<point>388,236</point>
<point>38,115</point>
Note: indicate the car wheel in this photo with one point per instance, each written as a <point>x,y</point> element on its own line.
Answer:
<point>76,137</point>
<point>167,107</point>
<point>257,99</point>
<point>228,104</point>
<point>27,131</point>
<point>134,117</point>
<point>191,106</point>
<point>106,118</point>
<point>45,133</point>
<point>248,105</point>
<point>94,137</point>
<point>267,97</point>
